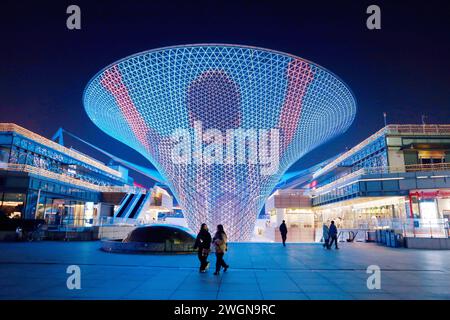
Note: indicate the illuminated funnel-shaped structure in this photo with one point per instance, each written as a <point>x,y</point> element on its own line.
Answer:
<point>210,92</point>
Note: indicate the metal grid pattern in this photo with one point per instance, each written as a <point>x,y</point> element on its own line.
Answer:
<point>141,100</point>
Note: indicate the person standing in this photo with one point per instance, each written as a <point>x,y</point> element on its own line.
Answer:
<point>220,245</point>
<point>325,235</point>
<point>332,234</point>
<point>283,231</point>
<point>58,218</point>
<point>203,244</point>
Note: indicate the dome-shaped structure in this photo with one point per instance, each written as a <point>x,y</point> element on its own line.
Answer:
<point>160,233</point>
<point>185,108</point>
<point>155,238</point>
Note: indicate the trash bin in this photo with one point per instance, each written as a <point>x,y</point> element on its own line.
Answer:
<point>378,236</point>
<point>383,236</point>
<point>393,241</point>
<point>387,237</point>
<point>371,236</point>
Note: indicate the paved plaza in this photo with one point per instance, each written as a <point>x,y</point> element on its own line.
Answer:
<point>258,271</point>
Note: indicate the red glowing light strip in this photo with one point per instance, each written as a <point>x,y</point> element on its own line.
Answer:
<point>112,81</point>
<point>299,75</point>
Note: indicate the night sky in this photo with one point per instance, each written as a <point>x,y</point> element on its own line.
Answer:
<point>403,69</point>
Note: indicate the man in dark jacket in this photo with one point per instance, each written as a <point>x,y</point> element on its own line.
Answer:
<point>283,231</point>
<point>332,234</point>
<point>203,244</point>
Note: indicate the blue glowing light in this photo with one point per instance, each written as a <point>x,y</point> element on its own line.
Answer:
<point>143,99</point>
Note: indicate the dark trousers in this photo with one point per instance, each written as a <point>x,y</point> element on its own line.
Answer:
<point>333,238</point>
<point>203,259</point>
<point>325,242</point>
<point>220,262</point>
<point>283,237</point>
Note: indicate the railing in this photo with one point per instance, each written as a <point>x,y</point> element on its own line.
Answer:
<point>420,228</point>
<point>116,221</point>
<point>350,152</point>
<point>339,181</point>
<point>67,179</point>
<point>393,129</point>
<point>73,223</point>
<point>383,170</point>
<point>11,127</point>
<point>63,224</point>
<point>427,129</point>
<point>124,189</point>
<point>427,167</point>
<point>60,223</point>
<point>105,230</point>
<point>408,168</point>
<point>426,228</point>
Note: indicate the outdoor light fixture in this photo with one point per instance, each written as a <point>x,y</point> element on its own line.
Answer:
<point>221,123</point>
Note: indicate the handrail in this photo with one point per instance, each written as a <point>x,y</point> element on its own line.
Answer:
<point>392,129</point>
<point>11,127</point>
<point>350,152</point>
<point>67,179</point>
<point>434,228</point>
<point>141,206</point>
<point>439,129</point>
<point>384,170</point>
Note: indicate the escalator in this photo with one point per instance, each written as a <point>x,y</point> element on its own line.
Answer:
<point>137,206</point>
<point>124,207</point>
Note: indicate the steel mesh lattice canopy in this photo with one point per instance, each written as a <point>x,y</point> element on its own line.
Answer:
<point>143,99</point>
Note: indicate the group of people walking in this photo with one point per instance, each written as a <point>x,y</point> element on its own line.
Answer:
<point>330,234</point>
<point>203,244</point>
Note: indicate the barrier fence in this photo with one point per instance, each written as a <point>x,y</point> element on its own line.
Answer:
<point>420,228</point>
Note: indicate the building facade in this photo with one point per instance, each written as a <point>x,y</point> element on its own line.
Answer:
<point>41,179</point>
<point>398,178</point>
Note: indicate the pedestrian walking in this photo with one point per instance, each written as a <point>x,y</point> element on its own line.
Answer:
<point>332,234</point>
<point>283,231</point>
<point>220,246</point>
<point>325,235</point>
<point>203,245</point>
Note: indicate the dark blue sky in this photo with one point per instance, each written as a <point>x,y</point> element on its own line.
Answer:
<point>403,69</point>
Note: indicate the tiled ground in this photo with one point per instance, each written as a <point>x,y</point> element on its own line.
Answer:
<point>258,271</point>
